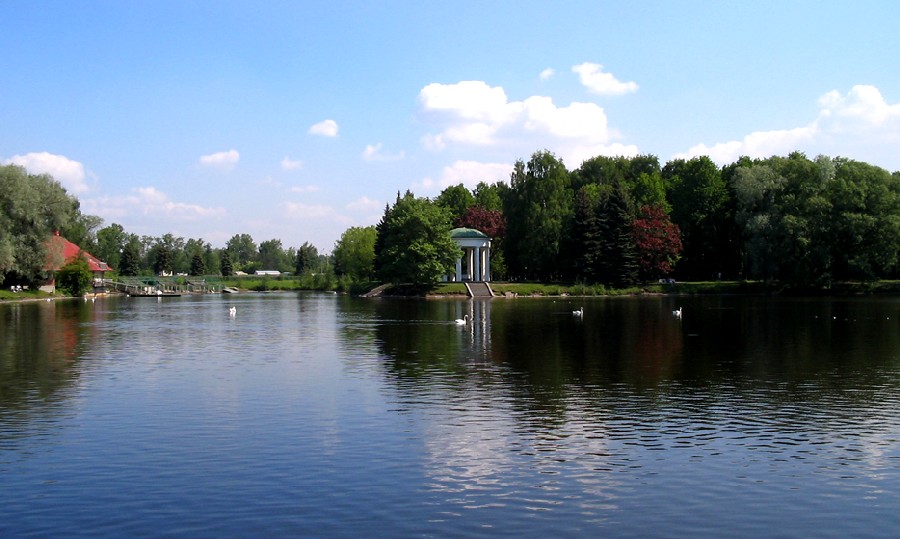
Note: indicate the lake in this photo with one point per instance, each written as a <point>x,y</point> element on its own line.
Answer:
<point>310,414</point>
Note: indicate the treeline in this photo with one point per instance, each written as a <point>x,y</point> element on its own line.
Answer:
<point>618,221</point>
<point>615,221</point>
<point>130,254</point>
<point>33,207</point>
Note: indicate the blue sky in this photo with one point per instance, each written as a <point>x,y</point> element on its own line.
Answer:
<point>297,120</point>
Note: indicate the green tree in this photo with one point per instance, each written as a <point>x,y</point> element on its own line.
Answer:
<point>865,220</point>
<point>211,259</point>
<point>490,196</point>
<point>242,250</point>
<point>110,244</point>
<point>82,229</point>
<point>756,188</point>
<point>306,259</point>
<point>413,243</point>
<point>618,263</point>
<point>700,202</point>
<point>163,253</point>
<point>538,211</point>
<point>32,207</point>
<point>783,209</point>
<point>131,257</point>
<point>457,199</point>
<point>226,267</point>
<point>271,256</point>
<point>74,278</point>
<point>198,265</point>
<point>587,233</point>
<point>354,253</point>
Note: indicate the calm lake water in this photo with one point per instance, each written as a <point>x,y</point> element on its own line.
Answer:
<point>323,415</point>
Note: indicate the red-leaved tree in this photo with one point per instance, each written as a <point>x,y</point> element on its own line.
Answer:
<point>491,222</point>
<point>658,242</point>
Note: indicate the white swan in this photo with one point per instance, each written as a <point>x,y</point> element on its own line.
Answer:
<point>462,321</point>
<point>677,313</point>
<point>232,311</point>
<point>579,312</point>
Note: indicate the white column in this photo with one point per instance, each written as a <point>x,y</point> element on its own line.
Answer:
<point>487,263</point>
<point>476,254</point>
<point>459,269</point>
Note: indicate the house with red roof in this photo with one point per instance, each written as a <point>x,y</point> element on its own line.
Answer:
<point>60,251</point>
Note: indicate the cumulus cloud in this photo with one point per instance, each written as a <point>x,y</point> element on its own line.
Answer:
<point>373,153</point>
<point>148,201</point>
<point>757,144</point>
<point>863,107</point>
<point>859,120</point>
<point>69,173</point>
<point>325,128</point>
<point>547,73</point>
<point>291,164</point>
<point>476,114</point>
<point>600,83</point>
<point>469,173</point>
<point>221,160</point>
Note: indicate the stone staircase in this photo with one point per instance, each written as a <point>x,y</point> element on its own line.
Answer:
<point>479,289</point>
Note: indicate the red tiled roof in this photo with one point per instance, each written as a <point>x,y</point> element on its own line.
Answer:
<point>60,250</point>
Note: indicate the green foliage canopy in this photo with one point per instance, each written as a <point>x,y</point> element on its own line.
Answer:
<point>413,242</point>
<point>354,253</point>
<point>74,278</point>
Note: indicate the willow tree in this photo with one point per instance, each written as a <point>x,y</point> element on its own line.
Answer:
<point>32,207</point>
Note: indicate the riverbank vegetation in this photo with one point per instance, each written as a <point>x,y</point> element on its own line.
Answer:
<point>613,224</point>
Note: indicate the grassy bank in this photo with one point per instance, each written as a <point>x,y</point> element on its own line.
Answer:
<point>678,288</point>
<point>25,295</point>
<point>585,290</point>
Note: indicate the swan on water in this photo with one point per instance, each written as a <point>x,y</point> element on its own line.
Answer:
<point>677,313</point>
<point>579,312</point>
<point>232,311</point>
<point>462,321</point>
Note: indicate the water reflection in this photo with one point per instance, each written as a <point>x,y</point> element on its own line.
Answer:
<point>314,414</point>
<point>41,344</point>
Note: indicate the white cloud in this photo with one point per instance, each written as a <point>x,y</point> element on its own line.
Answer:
<point>373,153</point>
<point>290,164</point>
<point>863,107</point>
<point>475,114</point>
<point>759,144</point>
<point>600,83</point>
<point>147,201</point>
<point>69,173</point>
<point>221,160</point>
<point>471,100</point>
<point>860,121</point>
<point>547,73</point>
<point>325,128</point>
<point>468,173</point>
